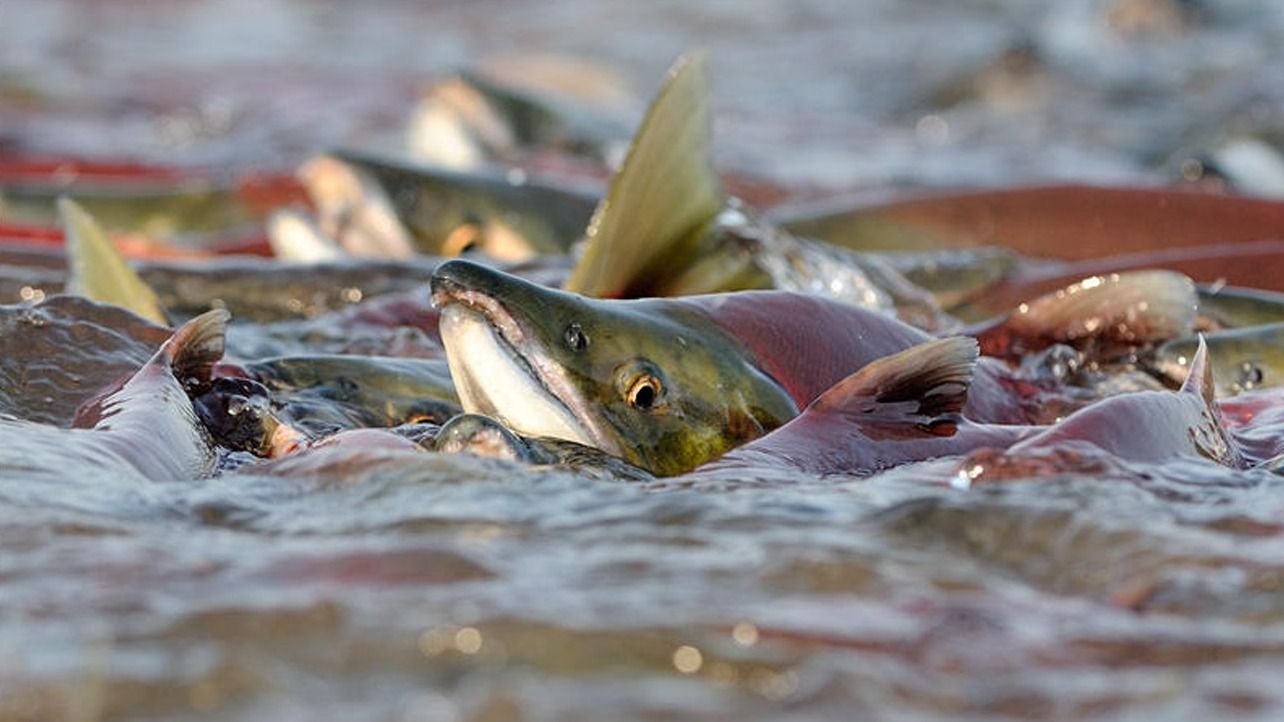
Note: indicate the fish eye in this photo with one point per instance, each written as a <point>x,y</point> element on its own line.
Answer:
<point>644,393</point>
<point>575,337</point>
<point>1250,375</point>
<point>463,238</point>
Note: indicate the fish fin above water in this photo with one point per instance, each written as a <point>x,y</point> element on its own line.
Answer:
<point>195,347</point>
<point>927,383</point>
<point>665,193</point>
<point>1199,379</point>
<point>1137,308</point>
<point>98,271</point>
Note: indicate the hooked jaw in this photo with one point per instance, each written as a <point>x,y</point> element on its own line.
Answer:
<point>500,368</point>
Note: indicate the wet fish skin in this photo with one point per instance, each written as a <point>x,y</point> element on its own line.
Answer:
<point>727,368</point>
<point>484,436</point>
<point>59,351</point>
<point>238,414</point>
<point>1145,427</point>
<point>147,427</point>
<point>1070,222</point>
<point>263,290</point>
<point>358,390</point>
<point>1226,307</point>
<point>896,410</point>
<point>159,211</point>
<point>480,119</point>
<point>445,212</point>
<point>1111,314</point>
<point>1243,359</point>
<point>549,363</point>
<point>954,277</point>
<point>710,354</point>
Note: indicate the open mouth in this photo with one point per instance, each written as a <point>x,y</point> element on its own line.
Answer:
<point>500,370</point>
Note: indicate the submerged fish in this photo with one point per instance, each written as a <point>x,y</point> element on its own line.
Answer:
<point>1068,222</point>
<point>954,277</point>
<point>146,427</point>
<point>483,436</point>
<point>376,207</point>
<point>1225,307</point>
<point>1147,427</point>
<point>264,290</point>
<point>1243,359</point>
<point>324,393</point>
<point>156,209</point>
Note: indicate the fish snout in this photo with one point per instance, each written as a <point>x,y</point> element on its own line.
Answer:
<point>456,278</point>
<point>471,283</point>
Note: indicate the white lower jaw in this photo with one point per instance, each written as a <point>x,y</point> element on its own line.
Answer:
<point>492,382</point>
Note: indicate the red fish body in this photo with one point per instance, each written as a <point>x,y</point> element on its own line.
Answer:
<point>147,426</point>
<point>809,343</point>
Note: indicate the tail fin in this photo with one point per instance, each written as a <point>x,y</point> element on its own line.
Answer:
<point>1138,307</point>
<point>98,271</point>
<point>664,195</point>
<point>195,347</point>
<point>925,385</point>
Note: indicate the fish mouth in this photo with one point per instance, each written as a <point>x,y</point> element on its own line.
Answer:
<point>502,370</point>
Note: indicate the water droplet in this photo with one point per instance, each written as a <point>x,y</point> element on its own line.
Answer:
<point>932,129</point>
<point>687,659</point>
<point>468,640</point>
<point>745,634</point>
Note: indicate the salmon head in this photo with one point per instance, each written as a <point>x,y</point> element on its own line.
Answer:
<point>652,381</point>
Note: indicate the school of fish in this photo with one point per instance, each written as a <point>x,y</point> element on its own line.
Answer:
<point>644,326</point>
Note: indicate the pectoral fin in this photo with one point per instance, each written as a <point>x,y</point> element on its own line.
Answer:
<point>925,385</point>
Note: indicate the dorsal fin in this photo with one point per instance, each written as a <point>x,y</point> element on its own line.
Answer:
<point>1138,307</point>
<point>97,271</point>
<point>1199,379</point>
<point>665,194</point>
<point>195,347</point>
<point>922,384</point>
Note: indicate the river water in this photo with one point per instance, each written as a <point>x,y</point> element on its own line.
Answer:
<point>382,585</point>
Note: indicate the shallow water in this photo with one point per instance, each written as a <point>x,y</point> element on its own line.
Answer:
<point>811,93</point>
<point>437,587</point>
<point>387,585</point>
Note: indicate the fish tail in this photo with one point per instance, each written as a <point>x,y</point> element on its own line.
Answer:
<point>195,347</point>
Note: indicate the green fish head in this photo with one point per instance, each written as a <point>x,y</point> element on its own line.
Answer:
<point>652,381</point>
